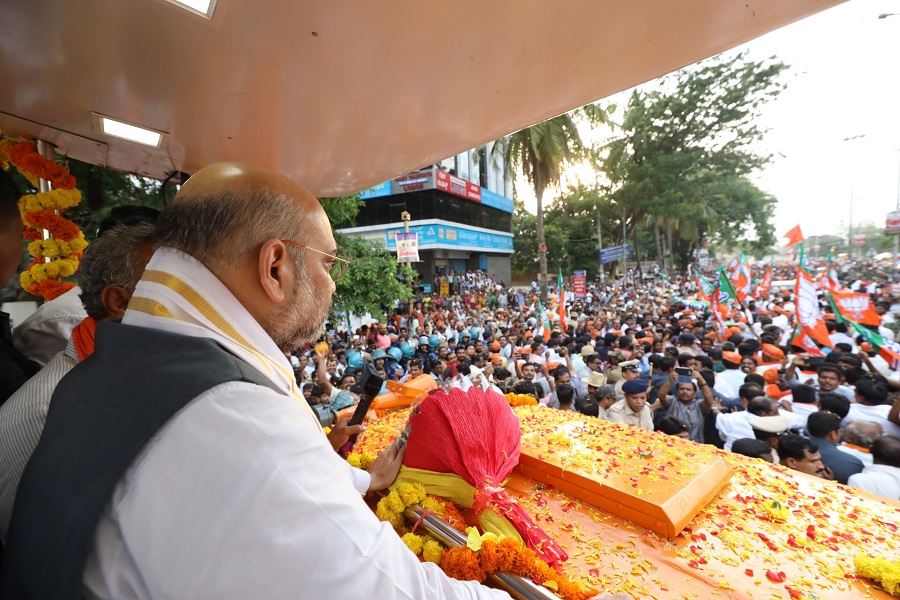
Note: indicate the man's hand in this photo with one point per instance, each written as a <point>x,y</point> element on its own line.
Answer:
<point>341,432</point>
<point>827,473</point>
<point>385,468</point>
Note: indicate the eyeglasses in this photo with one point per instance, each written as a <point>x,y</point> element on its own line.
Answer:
<point>339,265</point>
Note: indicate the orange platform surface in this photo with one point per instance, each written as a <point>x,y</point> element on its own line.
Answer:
<point>732,548</point>
<point>573,455</point>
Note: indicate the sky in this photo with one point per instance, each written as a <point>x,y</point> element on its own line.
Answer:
<point>843,82</point>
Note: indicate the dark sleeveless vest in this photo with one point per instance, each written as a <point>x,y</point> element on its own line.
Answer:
<point>102,414</point>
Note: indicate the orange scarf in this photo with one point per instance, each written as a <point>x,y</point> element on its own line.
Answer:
<point>855,447</point>
<point>83,336</point>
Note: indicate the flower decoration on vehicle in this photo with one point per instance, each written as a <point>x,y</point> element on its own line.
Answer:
<point>41,211</point>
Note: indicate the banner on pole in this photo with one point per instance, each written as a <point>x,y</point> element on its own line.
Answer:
<point>408,247</point>
<point>892,223</point>
<point>579,284</point>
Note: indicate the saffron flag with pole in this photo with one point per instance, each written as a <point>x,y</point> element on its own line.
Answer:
<point>716,310</point>
<point>794,236</point>
<point>727,293</point>
<point>543,324</point>
<point>741,278</point>
<point>705,287</point>
<point>801,340</point>
<point>829,280</point>
<point>808,314</point>
<point>853,306</point>
<point>762,289</point>
<point>561,310</point>
<point>803,260</point>
<point>889,351</point>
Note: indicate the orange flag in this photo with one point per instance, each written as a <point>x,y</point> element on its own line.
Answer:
<point>807,313</point>
<point>856,307</point>
<point>794,236</point>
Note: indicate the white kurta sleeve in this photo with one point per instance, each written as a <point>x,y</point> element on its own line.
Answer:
<point>241,496</point>
<point>361,479</point>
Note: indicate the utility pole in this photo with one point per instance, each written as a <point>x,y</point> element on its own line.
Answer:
<point>624,251</point>
<point>599,245</point>
<point>896,236</point>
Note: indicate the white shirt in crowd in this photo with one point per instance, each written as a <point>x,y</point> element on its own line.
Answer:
<point>880,480</point>
<point>45,333</point>
<point>22,419</point>
<point>865,457</point>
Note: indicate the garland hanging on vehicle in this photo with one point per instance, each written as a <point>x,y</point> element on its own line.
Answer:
<point>42,210</point>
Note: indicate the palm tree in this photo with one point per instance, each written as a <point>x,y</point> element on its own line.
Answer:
<point>541,151</point>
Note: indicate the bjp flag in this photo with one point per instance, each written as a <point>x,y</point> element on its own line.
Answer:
<point>856,307</point>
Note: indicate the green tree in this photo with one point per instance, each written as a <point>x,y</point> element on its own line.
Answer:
<point>371,284</point>
<point>541,151</point>
<point>682,163</point>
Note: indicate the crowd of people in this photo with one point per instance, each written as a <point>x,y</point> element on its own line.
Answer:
<point>647,355</point>
<point>161,423</point>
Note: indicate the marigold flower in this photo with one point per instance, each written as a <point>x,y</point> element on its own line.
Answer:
<point>414,542</point>
<point>776,510</point>
<point>433,551</point>
<point>880,569</point>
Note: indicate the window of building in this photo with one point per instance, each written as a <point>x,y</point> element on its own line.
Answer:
<point>432,204</point>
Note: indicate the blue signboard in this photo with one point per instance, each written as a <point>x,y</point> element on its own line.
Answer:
<point>495,200</point>
<point>378,191</point>
<point>447,236</point>
<point>611,254</point>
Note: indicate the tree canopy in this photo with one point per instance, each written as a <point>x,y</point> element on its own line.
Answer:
<point>675,176</point>
<point>682,163</point>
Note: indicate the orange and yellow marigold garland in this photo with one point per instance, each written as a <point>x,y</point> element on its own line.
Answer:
<point>40,211</point>
<point>520,399</point>
<point>490,554</point>
<point>509,556</point>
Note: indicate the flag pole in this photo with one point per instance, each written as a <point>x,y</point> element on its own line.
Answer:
<point>734,297</point>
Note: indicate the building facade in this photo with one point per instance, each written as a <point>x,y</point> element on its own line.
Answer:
<point>461,209</point>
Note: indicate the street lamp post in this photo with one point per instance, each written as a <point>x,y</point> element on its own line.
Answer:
<point>405,217</point>
<point>850,232</point>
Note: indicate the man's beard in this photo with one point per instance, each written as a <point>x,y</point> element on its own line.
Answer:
<point>303,321</point>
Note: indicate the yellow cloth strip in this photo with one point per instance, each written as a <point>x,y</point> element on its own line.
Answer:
<point>151,307</point>
<point>454,488</point>
<point>184,290</point>
<point>200,303</point>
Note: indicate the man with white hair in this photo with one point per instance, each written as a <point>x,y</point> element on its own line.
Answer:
<point>858,439</point>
